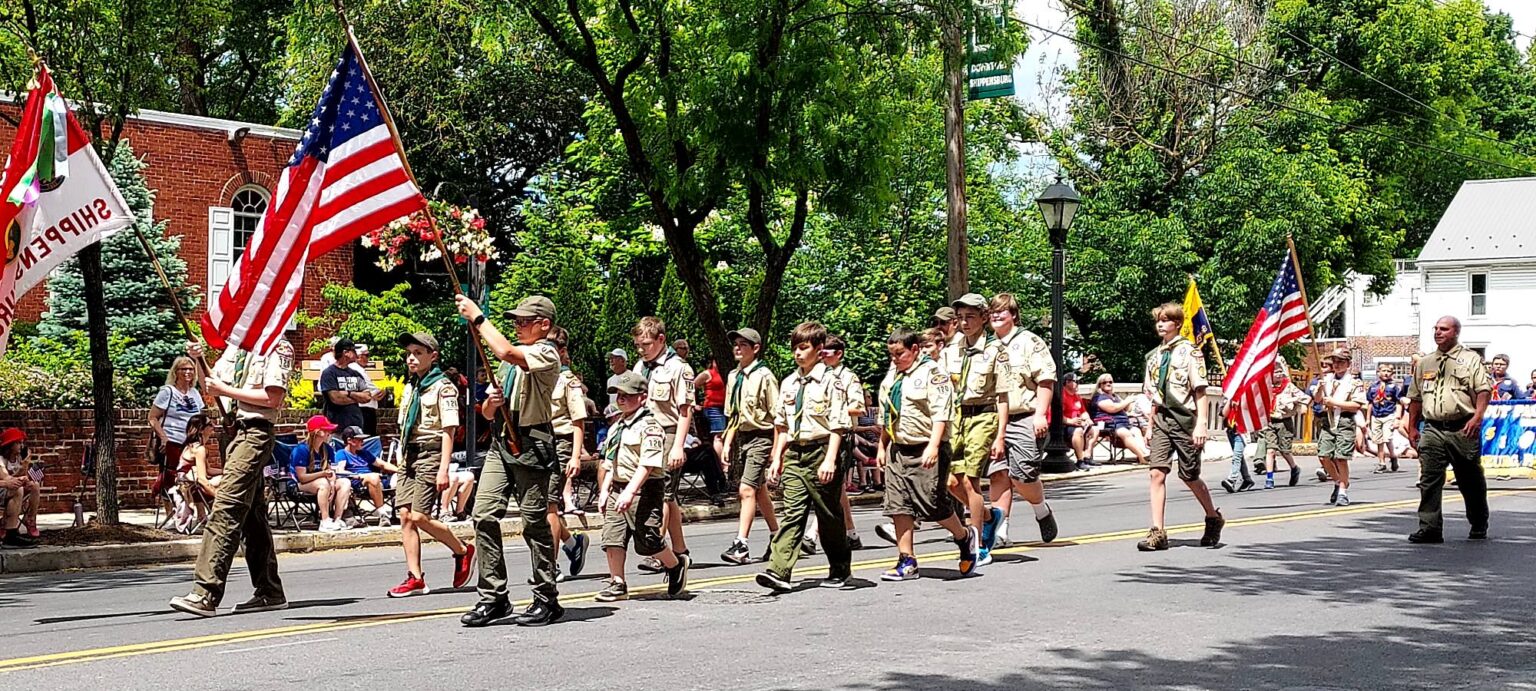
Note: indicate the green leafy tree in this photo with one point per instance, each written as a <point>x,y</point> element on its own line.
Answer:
<point>136,301</point>
<point>379,318</point>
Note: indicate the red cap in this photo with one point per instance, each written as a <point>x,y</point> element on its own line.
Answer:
<point>11,435</point>
<point>318,423</point>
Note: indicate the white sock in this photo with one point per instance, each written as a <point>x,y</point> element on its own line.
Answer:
<point>853,533</point>
<point>1041,510</point>
<point>570,541</point>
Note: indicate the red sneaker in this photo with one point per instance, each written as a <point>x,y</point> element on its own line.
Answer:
<point>412,585</point>
<point>462,565</point>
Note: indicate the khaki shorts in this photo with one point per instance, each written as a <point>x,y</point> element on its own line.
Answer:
<point>750,454</point>
<point>1169,439</point>
<point>1278,435</point>
<point>1023,462</point>
<point>1382,429</point>
<point>1336,440</point>
<point>416,485</point>
<point>970,447</point>
<point>641,523</point>
<point>911,489</point>
<point>556,488</point>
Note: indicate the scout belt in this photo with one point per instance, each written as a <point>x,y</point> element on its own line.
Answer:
<point>978,409</point>
<point>1453,425</point>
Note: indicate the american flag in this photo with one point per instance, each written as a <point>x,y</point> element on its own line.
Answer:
<point>1283,319</point>
<point>347,177</point>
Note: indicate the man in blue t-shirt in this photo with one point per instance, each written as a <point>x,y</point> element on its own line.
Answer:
<point>1505,388</point>
<point>1385,397</point>
<point>345,389</point>
<point>366,470</point>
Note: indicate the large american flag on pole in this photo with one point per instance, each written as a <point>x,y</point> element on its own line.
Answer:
<point>1283,319</point>
<point>347,177</point>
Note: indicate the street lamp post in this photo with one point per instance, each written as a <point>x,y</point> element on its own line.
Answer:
<point>1058,204</point>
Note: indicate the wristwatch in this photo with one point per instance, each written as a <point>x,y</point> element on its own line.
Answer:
<point>479,319</point>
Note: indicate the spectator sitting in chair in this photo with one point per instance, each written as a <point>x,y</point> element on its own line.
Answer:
<point>193,473</point>
<point>313,467</point>
<point>368,472</point>
<point>453,505</point>
<point>1111,416</point>
<point>19,493</point>
<point>1075,416</point>
<point>702,460</point>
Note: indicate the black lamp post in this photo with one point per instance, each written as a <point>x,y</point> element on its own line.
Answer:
<point>1058,204</point>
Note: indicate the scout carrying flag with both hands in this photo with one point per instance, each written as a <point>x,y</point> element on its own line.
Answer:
<point>55,197</point>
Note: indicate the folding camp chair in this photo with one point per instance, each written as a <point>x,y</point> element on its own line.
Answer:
<point>283,496</point>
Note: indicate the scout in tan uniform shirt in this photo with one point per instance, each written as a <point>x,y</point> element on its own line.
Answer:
<point>1341,394</point>
<point>669,381</point>
<point>569,416</point>
<point>1280,434</point>
<point>1450,393</point>
<point>634,460</point>
<point>1027,376</point>
<point>916,405</point>
<point>809,421</point>
<point>429,414</point>
<point>977,367</point>
<point>256,384</point>
<point>853,391</point>
<point>751,391</point>
<point>521,459</point>
<point>1174,380</point>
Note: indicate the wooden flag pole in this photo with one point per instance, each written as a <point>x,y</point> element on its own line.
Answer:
<point>1306,304</point>
<point>442,250</point>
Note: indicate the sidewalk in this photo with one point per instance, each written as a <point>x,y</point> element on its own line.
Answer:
<point>52,558</point>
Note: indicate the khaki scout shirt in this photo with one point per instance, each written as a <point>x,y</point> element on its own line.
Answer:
<point>925,398</point>
<point>1023,363</point>
<point>853,388</point>
<point>639,443</point>
<point>1345,389</point>
<point>670,383</point>
<point>1446,384</point>
<point>245,370</point>
<point>749,404</point>
<point>531,391</point>
<point>979,376</point>
<point>569,404</point>
<point>812,407</point>
<point>1186,376</point>
<point>439,410</point>
<point>1288,402</point>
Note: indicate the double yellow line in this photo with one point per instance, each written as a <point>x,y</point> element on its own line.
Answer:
<point>179,644</point>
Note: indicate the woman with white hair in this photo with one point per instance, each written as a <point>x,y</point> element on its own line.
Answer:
<point>1111,416</point>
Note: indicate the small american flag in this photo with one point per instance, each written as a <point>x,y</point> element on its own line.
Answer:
<point>347,178</point>
<point>1283,319</point>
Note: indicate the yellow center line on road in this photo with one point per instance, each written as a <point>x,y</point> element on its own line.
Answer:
<point>193,643</point>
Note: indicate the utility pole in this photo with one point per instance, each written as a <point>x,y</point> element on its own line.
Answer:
<point>953,38</point>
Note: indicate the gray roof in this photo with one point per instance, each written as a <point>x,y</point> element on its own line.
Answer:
<point>1488,220</point>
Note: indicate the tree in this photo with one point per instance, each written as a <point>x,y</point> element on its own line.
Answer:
<point>135,299</point>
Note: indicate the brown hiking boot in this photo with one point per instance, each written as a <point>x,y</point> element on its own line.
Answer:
<point>1212,536</point>
<point>1156,540</point>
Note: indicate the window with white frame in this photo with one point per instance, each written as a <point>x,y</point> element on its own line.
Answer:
<point>230,230</point>
<point>1479,285</point>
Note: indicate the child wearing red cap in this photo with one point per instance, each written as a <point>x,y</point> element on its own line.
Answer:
<point>18,491</point>
<point>312,466</point>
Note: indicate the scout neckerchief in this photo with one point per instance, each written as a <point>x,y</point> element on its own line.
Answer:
<point>796,418</point>
<point>648,367</point>
<point>1162,369</point>
<point>892,401</point>
<point>965,366</point>
<point>1332,387</point>
<point>733,404</point>
<point>413,409</point>
<point>616,435</point>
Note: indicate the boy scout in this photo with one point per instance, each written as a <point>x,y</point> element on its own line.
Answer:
<point>750,394</point>
<point>1341,395</point>
<point>916,402</point>
<point>975,362</point>
<point>670,400</point>
<point>569,415</point>
<point>1279,435</point>
<point>429,413</point>
<point>521,460</point>
<point>1450,393</point>
<point>1027,378</point>
<point>1175,383</point>
<point>256,384</point>
<point>634,459</point>
<point>809,421</point>
<point>853,391</point>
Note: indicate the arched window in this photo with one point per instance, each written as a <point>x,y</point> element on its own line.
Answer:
<point>249,205</point>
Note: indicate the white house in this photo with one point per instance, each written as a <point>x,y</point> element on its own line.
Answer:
<point>1480,266</point>
<point>1376,329</point>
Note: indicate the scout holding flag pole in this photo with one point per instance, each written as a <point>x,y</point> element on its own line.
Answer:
<point>1197,328</point>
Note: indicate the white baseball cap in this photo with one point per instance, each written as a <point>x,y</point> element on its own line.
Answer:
<point>619,353</point>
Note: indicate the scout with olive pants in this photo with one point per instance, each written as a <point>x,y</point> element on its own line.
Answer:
<point>521,460</point>
<point>256,385</point>
<point>1175,382</point>
<point>429,412</point>
<point>1450,392</point>
<point>809,420</point>
<point>751,393</point>
<point>633,492</point>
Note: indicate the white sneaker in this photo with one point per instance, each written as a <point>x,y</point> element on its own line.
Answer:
<point>382,516</point>
<point>329,526</point>
<point>1001,537</point>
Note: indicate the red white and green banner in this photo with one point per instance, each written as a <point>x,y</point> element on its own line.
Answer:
<point>56,197</point>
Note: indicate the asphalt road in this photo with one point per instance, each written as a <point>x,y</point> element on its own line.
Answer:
<point>1300,595</point>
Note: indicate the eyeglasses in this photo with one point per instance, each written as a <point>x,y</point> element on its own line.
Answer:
<point>525,321</point>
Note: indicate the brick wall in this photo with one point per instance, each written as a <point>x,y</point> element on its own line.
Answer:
<point>1364,350</point>
<point>193,168</point>
<point>59,439</point>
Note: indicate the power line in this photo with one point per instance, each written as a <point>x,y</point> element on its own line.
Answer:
<point>1279,105</point>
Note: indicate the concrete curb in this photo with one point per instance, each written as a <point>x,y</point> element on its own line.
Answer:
<point>152,553</point>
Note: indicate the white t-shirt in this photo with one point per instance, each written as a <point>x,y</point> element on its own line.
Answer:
<point>179,408</point>
<point>326,360</point>
<point>612,382</point>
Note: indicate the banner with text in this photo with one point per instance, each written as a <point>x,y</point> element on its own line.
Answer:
<point>1509,438</point>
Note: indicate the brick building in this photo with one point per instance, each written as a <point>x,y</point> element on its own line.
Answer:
<point>212,180</point>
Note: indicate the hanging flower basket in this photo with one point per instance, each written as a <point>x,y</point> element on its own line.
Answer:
<point>463,232</point>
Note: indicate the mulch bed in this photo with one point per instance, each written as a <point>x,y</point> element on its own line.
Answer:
<point>97,534</point>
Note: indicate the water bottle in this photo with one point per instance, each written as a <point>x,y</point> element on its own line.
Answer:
<point>79,514</point>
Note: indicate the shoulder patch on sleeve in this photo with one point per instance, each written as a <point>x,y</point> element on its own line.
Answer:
<point>284,354</point>
<point>939,378</point>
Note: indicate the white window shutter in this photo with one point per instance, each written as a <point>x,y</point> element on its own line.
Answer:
<point>221,248</point>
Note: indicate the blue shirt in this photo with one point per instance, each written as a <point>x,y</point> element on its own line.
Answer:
<point>300,459</point>
<point>1506,389</point>
<point>1383,397</point>
<point>357,463</point>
